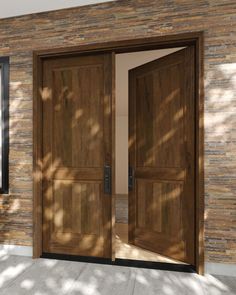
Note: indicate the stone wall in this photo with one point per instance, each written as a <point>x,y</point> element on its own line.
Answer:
<point>120,20</point>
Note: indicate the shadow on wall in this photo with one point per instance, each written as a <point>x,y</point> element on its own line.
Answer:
<point>20,275</point>
<point>220,159</point>
<point>15,230</point>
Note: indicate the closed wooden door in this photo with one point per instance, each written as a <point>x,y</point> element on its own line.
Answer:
<point>162,156</point>
<point>76,147</point>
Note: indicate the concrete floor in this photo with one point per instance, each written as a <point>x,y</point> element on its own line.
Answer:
<point>22,275</point>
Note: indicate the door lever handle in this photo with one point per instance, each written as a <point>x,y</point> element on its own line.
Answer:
<point>107,179</point>
<point>131,178</point>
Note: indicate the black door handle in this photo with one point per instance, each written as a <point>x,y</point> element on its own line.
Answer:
<point>131,178</point>
<point>107,179</point>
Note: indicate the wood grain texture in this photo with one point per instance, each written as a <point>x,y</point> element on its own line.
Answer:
<point>201,233</point>
<point>77,102</point>
<point>163,117</point>
<point>37,163</point>
<point>113,165</point>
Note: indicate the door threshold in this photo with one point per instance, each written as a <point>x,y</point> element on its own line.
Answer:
<point>123,262</point>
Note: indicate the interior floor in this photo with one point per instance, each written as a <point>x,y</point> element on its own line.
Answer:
<point>124,250</point>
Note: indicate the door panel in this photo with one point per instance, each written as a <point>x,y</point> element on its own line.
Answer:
<point>161,152</point>
<point>161,115</point>
<point>78,214</point>
<point>82,109</point>
<point>162,201</point>
<point>77,122</point>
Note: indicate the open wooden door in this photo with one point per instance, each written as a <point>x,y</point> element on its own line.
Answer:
<point>77,155</point>
<point>162,156</point>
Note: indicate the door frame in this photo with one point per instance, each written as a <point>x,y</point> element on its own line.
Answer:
<point>150,43</point>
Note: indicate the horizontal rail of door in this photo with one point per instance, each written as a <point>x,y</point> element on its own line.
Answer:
<point>160,173</point>
<point>75,173</point>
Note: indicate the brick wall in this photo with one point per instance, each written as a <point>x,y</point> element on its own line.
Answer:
<point>120,20</point>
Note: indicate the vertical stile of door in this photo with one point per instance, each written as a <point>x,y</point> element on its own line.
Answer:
<point>132,159</point>
<point>113,203</point>
<point>109,160</point>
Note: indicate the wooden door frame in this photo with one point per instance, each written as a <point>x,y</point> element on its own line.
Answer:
<point>150,43</point>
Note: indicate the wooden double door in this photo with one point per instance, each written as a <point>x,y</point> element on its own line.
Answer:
<point>78,151</point>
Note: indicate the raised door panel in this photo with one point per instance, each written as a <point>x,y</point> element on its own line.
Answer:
<point>78,116</point>
<point>160,109</point>
<point>77,218</point>
<point>158,203</point>
<point>80,212</point>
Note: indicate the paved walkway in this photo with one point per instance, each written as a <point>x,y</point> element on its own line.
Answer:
<point>22,275</point>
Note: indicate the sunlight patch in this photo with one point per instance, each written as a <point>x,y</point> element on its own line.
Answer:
<point>27,284</point>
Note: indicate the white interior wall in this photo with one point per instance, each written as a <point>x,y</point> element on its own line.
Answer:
<point>125,62</point>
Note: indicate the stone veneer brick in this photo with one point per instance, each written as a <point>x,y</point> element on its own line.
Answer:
<point>118,20</point>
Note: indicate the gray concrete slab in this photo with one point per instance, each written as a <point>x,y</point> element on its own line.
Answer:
<point>22,275</point>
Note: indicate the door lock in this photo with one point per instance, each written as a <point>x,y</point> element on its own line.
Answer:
<point>131,178</point>
<point>107,179</point>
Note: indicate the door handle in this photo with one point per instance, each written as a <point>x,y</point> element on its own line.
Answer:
<point>107,179</point>
<point>131,178</point>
